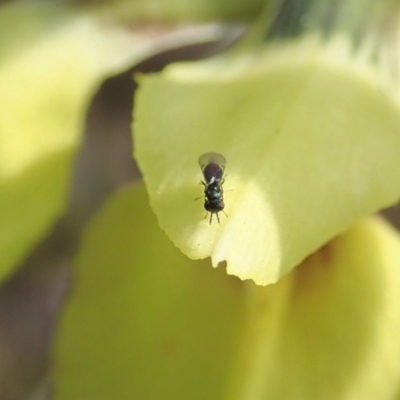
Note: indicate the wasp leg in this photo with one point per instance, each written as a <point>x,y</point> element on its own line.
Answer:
<point>201,197</point>
<point>226,215</point>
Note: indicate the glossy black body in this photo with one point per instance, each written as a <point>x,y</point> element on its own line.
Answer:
<point>213,167</point>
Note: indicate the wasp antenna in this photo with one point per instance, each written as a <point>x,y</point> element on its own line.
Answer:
<point>226,215</point>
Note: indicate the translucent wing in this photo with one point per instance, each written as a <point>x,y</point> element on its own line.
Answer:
<point>212,158</point>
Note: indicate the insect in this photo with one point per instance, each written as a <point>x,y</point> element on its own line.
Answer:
<point>213,166</point>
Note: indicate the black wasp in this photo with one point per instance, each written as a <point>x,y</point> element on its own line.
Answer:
<point>213,166</point>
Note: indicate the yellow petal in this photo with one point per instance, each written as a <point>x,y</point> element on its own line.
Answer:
<point>330,329</point>
<point>144,321</point>
<point>52,60</point>
<point>311,137</point>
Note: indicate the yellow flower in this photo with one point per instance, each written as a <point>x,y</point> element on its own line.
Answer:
<point>308,122</point>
